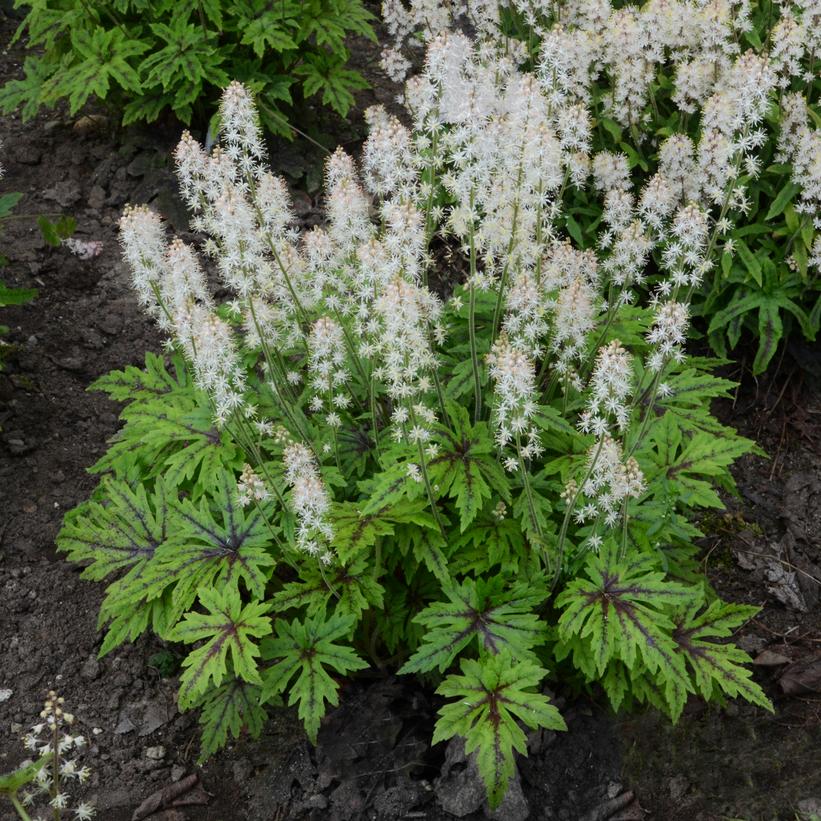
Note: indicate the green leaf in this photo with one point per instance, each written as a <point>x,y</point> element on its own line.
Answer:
<point>619,613</point>
<point>496,616</point>
<point>350,590</point>
<point>55,232</point>
<point>466,468</point>
<point>355,532</point>
<point>228,630</point>
<point>782,199</point>
<point>494,695</point>
<point>218,545</point>
<point>750,262</point>
<point>229,710</point>
<point>15,296</point>
<point>8,201</point>
<point>11,783</point>
<point>305,650</point>
<point>99,57</point>
<point>717,664</point>
<point>169,430</point>
<point>121,531</point>
<point>770,330</point>
<point>688,469</point>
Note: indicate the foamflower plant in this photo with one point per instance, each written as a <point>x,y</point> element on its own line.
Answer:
<point>434,435</point>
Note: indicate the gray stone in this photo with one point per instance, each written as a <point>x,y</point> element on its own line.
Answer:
<point>461,791</point>
<point>155,716</point>
<point>90,669</point>
<point>809,807</point>
<point>96,197</point>
<point>64,193</point>
<point>125,725</point>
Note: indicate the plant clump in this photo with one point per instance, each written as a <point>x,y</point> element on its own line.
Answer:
<point>484,471</point>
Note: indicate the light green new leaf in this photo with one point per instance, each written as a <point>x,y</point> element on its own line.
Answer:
<point>494,696</point>
<point>305,650</point>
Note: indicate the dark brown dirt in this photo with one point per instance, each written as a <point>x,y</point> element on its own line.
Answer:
<point>373,760</point>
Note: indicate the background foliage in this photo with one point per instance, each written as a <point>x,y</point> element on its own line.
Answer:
<point>150,56</point>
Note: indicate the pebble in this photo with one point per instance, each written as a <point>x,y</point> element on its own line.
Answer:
<point>154,753</point>
<point>90,669</point>
<point>96,197</point>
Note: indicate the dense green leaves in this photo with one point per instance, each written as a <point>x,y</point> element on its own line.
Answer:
<point>148,56</point>
<point>169,429</point>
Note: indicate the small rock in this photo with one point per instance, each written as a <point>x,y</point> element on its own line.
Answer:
<point>751,644</point>
<point>17,447</point>
<point>154,753</point>
<point>91,668</point>
<point>5,694</point>
<point>96,197</point>
<point>317,802</point>
<point>75,364</point>
<point>808,808</point>
<point>242,770</point>
<point>769,658</point>
<point>677,787</point>
<point>155,716</point>
<point>126,725</point>
<point>141,164</point>
<point>27,154</point>
<point>514,806</point>
<point>177,772</point>
<point>64,193</point>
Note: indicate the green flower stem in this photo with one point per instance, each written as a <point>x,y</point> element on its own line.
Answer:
<point>423,466</point>
<point>351,347</point>
<point>474,356</point>
<point>570,508</point>
<point>287,402</point>
<point>374,418</point>
<point>531,503</point>
<point>21,810</point>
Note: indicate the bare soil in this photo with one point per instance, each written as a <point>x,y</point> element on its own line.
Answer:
<point>373,760</point>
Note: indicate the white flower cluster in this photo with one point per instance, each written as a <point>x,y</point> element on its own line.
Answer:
<point>610,387</point>
<point>800,146</point>
<point>407,319</point>
<point>310,501</point>
<point>612,481</point>
<point>328,369</point>
<point>251,488</point>
<point>515,378</point>
<point>52,736</point>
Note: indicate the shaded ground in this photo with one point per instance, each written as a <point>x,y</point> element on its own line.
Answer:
<point>373,760</point>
